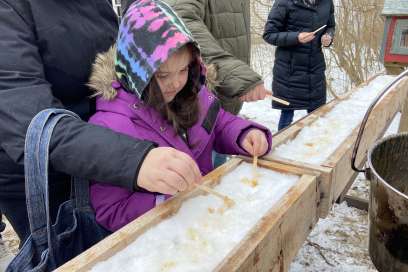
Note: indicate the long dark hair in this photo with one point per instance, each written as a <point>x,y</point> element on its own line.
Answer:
<point>183,111</point>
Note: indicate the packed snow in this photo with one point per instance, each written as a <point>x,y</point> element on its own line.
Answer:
<point>338,243</point>
<point>202,233</point>
<point>315,143</point>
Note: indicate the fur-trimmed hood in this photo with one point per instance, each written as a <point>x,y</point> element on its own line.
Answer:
<point>149,33</point>
<point>103,75</point>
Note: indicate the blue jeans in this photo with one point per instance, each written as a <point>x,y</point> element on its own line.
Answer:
<point>218,159</point>
<point>2,224</point>
<point>286,118</point>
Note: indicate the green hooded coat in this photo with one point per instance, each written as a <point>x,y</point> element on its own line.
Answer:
<point>222,29</point>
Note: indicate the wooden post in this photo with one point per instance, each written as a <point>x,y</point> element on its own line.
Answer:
<point>403,126</point>
<point>393,69</point>
<point>357,202</point>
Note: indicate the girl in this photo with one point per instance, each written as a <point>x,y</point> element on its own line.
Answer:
<point>160,95</point>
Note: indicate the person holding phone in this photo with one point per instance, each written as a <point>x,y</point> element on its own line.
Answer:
<point>295,27</point>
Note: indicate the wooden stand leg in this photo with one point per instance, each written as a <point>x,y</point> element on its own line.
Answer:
<point>403,127</point>
<point>357,202</point>
<point>394,69</point>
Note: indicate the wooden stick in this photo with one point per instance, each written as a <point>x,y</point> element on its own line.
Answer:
<point>268,93</point>
<point>228,201</point>
<point>320,28</point>
<point>255,166</point>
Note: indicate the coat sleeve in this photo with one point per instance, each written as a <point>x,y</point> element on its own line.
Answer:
<point>77,148</point>
<point>275,32</point>
<point>235,77</point>
<point>115,207</point>
<point>229,131</point>
<point>331,24</point>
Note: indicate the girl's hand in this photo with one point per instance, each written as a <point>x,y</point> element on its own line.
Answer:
<point>305,37</point>
<point>168,171</point>
<point>326,39</point>
<point>255,143</point>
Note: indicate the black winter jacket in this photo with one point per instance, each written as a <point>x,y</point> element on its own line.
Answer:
<point>299,69</point>
<point>46,51</point>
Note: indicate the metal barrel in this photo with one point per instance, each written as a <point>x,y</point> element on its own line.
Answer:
<point>388,210</point>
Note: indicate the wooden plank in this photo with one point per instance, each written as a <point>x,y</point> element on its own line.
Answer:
<point>292,131</point>
<point>394,69</point>
<point>353,177</point>
<point>296,231</point>
<point>290,219</point>
<point>274,242</point>
<point>357,202</point>
<point>282,167</point>
<point>126,235</point>
<point>336,173</point>
<point>324,179</point>
<point>403,126</point>
<point>323,175</point>
<point>379,120</point>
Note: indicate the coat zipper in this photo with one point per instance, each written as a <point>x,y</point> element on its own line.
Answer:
<point>116,5</point>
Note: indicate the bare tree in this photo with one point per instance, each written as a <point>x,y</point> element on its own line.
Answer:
<point>355,54</point>
<point>262,54</point>
<point>359,31</point>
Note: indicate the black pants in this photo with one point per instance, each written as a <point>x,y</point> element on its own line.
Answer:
<point>12,195</point>
<point>2,224</point>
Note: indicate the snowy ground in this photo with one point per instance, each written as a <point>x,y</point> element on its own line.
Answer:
<point>337,244</point>
<point>8,246</point>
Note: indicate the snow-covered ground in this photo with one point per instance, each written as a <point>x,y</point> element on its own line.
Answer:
<point>338,243</point>
<point>8,246</point>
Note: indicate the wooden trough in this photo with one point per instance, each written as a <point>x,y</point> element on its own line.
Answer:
<point>336,175</point>
<point>276,238</point>
<point>269,246</point>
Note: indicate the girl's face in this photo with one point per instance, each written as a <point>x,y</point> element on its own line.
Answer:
<point>173,74</point>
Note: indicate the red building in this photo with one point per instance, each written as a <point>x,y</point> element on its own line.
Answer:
<point>395,42</point>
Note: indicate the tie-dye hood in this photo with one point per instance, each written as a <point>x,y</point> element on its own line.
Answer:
<point>149,33</point>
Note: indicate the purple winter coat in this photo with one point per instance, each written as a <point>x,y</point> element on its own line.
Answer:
<point>116,206</point>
